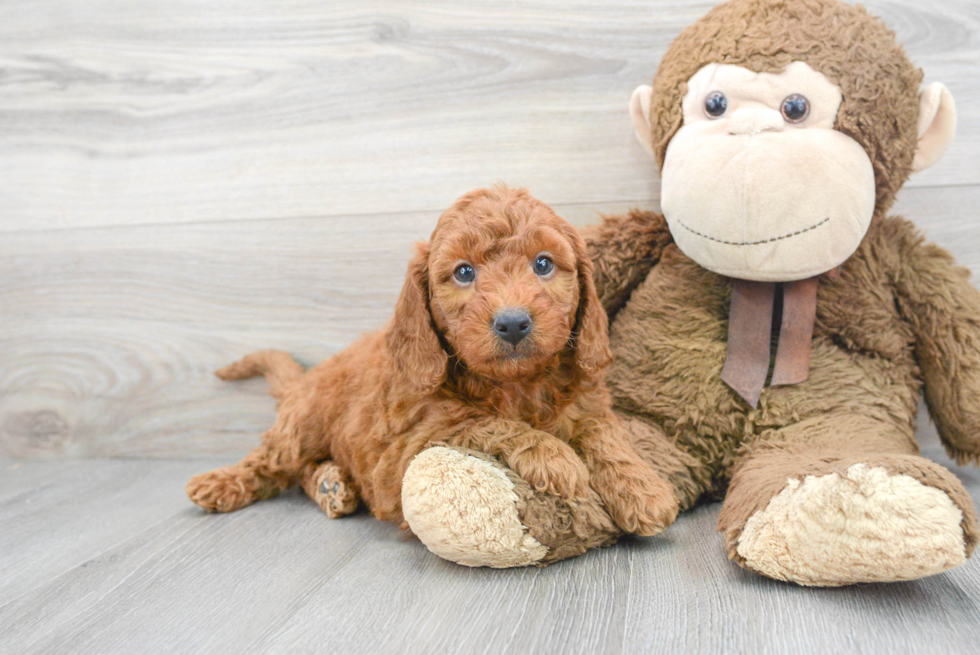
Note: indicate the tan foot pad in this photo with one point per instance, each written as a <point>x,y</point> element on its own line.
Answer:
<point>334,495</point>
<point>464,509</point>
<point>330,488</point>
<point>865,526</point>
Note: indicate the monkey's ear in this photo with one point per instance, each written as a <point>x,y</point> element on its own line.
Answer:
<point>640,112</point>
<point>937,125</point>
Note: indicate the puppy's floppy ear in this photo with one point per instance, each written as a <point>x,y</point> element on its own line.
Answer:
<point>411,339</point>
<point>591,334</point>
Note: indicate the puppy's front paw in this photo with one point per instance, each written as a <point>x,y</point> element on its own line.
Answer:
<point>221,490</point>
<point>639,500</point>
<point>551,466</point>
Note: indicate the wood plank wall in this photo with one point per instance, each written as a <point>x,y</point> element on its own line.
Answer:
<point>182,183</point>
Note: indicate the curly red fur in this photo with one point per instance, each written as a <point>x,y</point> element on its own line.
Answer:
<point>439,374</point>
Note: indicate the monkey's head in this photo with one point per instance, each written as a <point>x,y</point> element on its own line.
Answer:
<point>781,127</point>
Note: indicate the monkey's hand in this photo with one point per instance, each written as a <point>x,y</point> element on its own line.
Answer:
<point>943,309</point>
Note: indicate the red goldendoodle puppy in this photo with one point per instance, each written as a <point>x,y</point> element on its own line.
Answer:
<point>498,344</point>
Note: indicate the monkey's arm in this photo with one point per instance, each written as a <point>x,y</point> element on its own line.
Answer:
<point>943,308</point>
<point>623,249</point>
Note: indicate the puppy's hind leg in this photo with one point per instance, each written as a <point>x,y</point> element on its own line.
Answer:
<point>263,473</point>
<point>330,487</point>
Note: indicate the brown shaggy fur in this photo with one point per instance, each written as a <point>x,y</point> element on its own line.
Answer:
<point>854,50</point>
<point>438,374</point>
<point>902,318</point>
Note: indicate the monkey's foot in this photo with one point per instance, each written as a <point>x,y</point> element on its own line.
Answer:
<point>469,508</point>
<point>869,524</point>
<point>463,506</point>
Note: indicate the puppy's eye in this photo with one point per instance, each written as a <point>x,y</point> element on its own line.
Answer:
<point>543,265</point>
<point>716,104</point>
<point>795,108</point>
<point>464,274</point>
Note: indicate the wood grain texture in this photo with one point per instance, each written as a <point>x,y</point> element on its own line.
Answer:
<point>183,182</point>
<point>110,557</point>
<point>109,336</point>
<point>167,111</point>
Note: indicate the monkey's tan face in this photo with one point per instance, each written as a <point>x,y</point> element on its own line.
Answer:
<point>757,184</point>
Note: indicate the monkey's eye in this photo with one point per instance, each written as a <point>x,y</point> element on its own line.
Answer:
<point>795,108</point>
<point>716,104</point>
<point>543,265</point>
<point>464,274</point>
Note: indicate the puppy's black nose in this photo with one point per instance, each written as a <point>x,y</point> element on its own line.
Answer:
<point>512,325</point>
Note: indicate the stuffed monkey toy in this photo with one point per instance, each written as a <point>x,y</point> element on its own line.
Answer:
<point>773,329</point>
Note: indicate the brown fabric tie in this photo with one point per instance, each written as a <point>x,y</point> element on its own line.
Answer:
<point>750,333</point>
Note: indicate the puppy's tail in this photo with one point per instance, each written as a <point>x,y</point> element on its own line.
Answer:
<point>278,367</point>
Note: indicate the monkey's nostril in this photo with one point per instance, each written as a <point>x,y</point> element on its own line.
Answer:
<point>512,325</point>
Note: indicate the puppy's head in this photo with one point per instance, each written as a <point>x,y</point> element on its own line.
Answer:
<point>506,286</point>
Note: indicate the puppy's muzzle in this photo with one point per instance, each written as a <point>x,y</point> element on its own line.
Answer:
<point>512,325</point>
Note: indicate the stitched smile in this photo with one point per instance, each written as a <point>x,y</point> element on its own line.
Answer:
<point>754,243</point>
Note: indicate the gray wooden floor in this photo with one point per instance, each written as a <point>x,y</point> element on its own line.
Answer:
<point>107,556</point>
<point>184,182</point>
